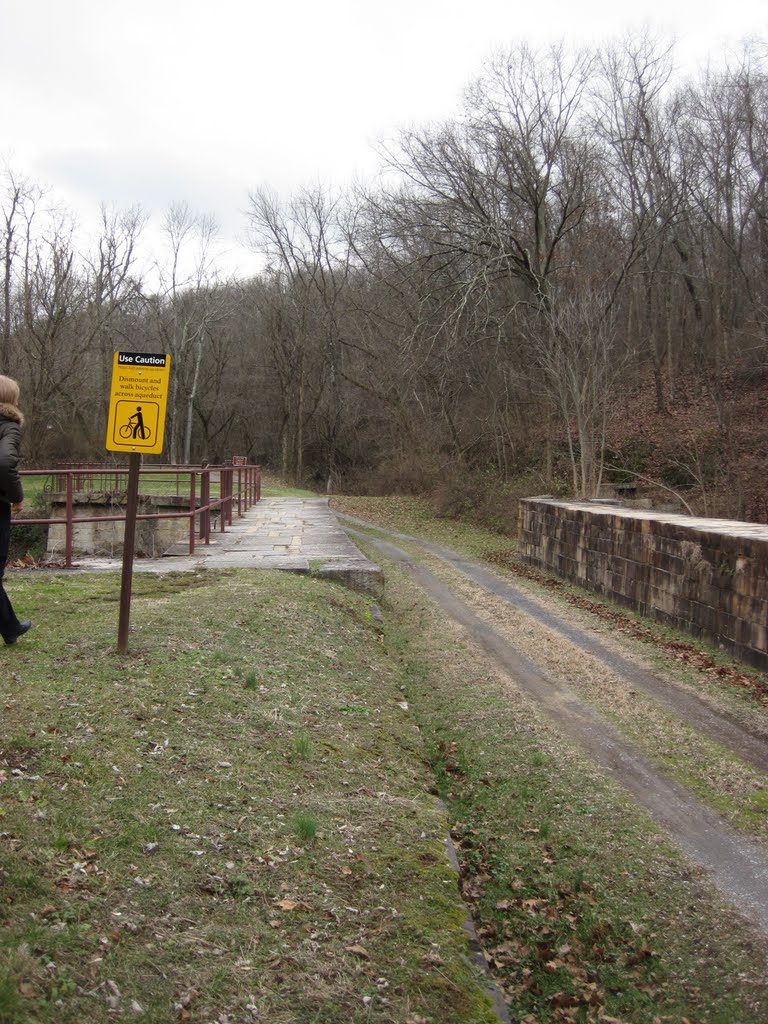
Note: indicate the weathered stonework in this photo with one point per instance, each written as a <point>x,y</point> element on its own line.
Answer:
<point>708,577</point>
<point>358,574</point>
<point>153,536</point>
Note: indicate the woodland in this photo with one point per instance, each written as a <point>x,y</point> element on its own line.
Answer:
<point>561,289</point>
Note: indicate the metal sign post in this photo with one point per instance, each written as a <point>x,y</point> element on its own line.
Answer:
<point>136,424</point>
<point>129,546</point>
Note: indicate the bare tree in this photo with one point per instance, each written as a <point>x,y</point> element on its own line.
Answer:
<point>52,299</point>
<point>573,346</point>
<point>726,135</point>
<point>189,302</point>
<point>309,258</point>
<point>18,204</point>
<point>644,180</point>
<point>502,189</point>
<point>115,300</point>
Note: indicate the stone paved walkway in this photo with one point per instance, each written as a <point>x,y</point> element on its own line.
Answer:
<point>295,534</point>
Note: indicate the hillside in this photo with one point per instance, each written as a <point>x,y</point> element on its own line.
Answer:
<point>706,453</point>
<point>710,445</point>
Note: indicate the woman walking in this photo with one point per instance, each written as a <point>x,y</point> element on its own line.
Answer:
<point>11,497</point>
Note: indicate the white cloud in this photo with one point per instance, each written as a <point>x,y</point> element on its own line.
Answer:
<point>162,100</point>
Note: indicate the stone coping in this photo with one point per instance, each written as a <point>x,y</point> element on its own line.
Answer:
<point>731,527</point>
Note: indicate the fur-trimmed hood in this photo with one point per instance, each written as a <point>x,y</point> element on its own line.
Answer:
<point>11,412</point>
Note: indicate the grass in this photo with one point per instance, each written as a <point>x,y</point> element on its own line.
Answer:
<point>178,845</point>
<point>305,826</point>
<point>236,822</point>
<point>36,487</point>
<point>482,801</point>
<point>717,775</point>
<point>675,652</point>
<point>414,516</point>
<point>273,486</point>
<point>303,745</point>
<point>585,911</point>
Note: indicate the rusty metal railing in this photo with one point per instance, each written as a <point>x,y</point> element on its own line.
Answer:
<point>239,488</point>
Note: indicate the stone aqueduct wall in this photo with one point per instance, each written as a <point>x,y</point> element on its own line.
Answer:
<point>708,577</point>
<point>153,536</point>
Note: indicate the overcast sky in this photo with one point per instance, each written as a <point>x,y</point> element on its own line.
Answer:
<point>155,101</point>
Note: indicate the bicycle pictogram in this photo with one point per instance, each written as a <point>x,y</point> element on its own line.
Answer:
<point>135,427</point>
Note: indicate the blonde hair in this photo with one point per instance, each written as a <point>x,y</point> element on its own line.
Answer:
<point>9,390</point>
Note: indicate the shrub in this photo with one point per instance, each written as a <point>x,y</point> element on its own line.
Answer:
<point>29,539</point>
<point>484,499</point>
<point>633,457</point>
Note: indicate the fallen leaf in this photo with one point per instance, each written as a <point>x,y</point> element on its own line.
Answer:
<point>359,951</point>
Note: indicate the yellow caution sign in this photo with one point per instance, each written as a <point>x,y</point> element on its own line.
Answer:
<point>137,402</point>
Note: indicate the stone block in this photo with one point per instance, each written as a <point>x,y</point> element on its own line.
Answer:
<point>710,576</point>
<point>758,636</point>
<point>153,537</point>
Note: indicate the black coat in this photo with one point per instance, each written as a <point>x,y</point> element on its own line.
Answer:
<point>11,419</point>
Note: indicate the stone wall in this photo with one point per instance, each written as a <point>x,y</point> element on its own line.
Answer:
<point>153,536</point>
<point>708,577</point>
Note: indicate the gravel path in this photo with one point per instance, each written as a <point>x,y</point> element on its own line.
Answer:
<point>585,685</point>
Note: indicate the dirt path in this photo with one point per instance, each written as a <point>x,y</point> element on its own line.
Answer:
<point>737,866</point>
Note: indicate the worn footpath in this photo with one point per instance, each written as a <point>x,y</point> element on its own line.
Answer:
<point>294,534</point>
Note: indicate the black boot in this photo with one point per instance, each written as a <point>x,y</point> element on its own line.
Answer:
<point>21,629</point>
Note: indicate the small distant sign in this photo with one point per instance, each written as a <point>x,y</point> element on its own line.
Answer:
<point>239,460</point>
<point>137,402</point>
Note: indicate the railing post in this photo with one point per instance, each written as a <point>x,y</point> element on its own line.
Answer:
<point>205,500</point>
<point>192,496</point>
<point>70,525</point>
<point>239,493</point>
<point>223,506</point>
